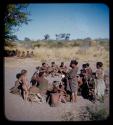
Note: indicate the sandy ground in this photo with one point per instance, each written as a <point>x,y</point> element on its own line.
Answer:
<point>18,110</point>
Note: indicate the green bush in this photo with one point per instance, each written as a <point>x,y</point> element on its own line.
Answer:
<point>99,114</point>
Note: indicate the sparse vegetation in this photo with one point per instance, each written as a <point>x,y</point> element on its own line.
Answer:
<point>65,50</point>
<point>68,116</point>
<point>86,114</point>
<point>99,114</point>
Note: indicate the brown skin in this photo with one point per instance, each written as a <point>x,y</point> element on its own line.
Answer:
<point>74,95</point>
<point>58,96</point>
<point>62,69</point>
<point>80,82</point>
<point>62,94</point>
<point>25,86</point>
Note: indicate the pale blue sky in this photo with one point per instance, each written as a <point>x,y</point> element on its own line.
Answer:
<point>80,20</point>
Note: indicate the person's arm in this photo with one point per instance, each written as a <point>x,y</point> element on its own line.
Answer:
<point>80,83</point>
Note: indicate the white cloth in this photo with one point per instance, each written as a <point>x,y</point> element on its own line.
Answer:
<point>100,87</point>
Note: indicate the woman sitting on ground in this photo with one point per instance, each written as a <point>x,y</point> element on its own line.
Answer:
<point>54,69</point>
<point>23,54</point>
<point>43,83</point>
<point>28,54</point>
<point>44,68</point>
<point>56,94</point>
<point>62,68</point>
<point>35,77</point>
<point>34,93</point>
<point>18,53</point>
<point>31,54</point>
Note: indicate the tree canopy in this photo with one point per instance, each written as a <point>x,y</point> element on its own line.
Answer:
<point>15,16</point>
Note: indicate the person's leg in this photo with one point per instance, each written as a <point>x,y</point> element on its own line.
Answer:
<point>25,92</point>
<point>48,96</point>
<point>40,97</point>
<point>73,97</point>
<point>70,94</point>
<point>63,99</point>
<point>26,95</point>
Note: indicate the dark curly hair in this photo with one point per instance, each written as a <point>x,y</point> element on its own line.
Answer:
<point>23,71</point>
<point>99,64</point>
<point>74,62</point>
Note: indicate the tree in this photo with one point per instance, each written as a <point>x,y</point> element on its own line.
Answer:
<point>15,16</point>
<point>56,37</point>
<point>67,36</point>
<point>87,41</point>
<point>46,37</point>
<point>26,39</point>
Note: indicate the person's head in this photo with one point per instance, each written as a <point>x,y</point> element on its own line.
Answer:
<point>53,63</point>
<point>23,52</point>
<point>47,65</point>
<point>23,72</point>
<point>93,75</point>
<point>27,51</point>
<point>87,64</point>
<point>44,64</point>
<point>81,76</point>
<point>18,75</point>
<point>33,83</point>
<point>73,63</point>
<point>38,67</point>
<point>41,74</point>
<point>62,63</point>
<point>84,66</point>
<point>61,86</point>
<point>99,65</point>
<point>81,71</point>
<point>55,85</point>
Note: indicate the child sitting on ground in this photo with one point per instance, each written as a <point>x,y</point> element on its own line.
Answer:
<point>18,85</point>
<point>62,93</point>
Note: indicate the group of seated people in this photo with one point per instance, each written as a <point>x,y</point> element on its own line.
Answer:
<point>71,84</point>
<point>54,69</point>
<point>18,53</point>
<point>24,54</point>
<point>9,53</point>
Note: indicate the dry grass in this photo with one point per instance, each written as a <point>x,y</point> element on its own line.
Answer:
<point>89,54</point>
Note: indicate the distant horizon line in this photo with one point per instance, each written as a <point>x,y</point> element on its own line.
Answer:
<point>66,40</point>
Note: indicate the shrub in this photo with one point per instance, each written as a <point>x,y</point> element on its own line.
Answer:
<point>68,116</point>
<point>92,114</point>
